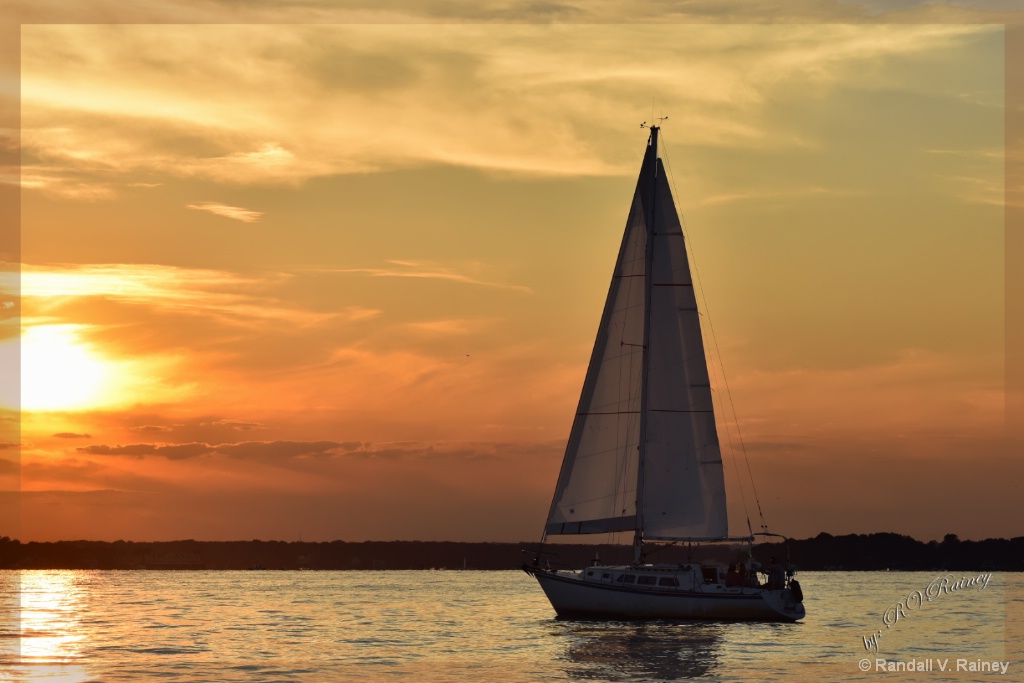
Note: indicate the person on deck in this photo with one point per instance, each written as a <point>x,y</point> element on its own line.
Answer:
<point>777,575</point>
<point>732,577</point>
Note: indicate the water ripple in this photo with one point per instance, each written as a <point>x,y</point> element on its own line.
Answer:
<point>438,627</point>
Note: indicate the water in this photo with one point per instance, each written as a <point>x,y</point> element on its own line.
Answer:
<point>77,626</point>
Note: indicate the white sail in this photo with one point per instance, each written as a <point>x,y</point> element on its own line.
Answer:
<point>681,489</point>
<point>683,482</point>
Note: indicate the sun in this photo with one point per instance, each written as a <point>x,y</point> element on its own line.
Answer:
<point>60,371</point>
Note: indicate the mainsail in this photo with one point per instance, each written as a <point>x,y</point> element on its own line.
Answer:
<point>643,453</point>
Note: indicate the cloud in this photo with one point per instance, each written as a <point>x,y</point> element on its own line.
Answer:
<point>426,271</point>
<point>238,425</point>
<point>132,282</point>
<point>220,102</point>
<point>278,451</point>
<point>250,450</point>
<point>232,297</point>
<point>214,335</point>
<point>531,11</point>
<point>151,429</point>
<point>447,327</point>
<point>356,313</point>
<point>233,212</point>
<point>170,451</point>
<point>769,195</point>
<point>65,183</point>
<point>72,435</point>
<point>284,449</point>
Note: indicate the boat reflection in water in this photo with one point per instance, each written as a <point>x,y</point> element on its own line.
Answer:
<point>630,651</point>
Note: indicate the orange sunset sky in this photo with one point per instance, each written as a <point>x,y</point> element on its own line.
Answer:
<point>312,279</point>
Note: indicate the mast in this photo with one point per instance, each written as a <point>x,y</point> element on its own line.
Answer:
<point>638,536</point>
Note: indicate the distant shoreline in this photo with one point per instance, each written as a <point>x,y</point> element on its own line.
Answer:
<point>853,552</point>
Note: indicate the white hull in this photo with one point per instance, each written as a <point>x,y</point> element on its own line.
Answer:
<point>573,595</point>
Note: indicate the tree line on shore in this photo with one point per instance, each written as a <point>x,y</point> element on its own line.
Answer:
<point>852,552</point>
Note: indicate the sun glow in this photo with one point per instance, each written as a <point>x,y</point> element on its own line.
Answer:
<point>60,371</point>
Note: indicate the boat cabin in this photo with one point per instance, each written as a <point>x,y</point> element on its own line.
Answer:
<point>674,576</point>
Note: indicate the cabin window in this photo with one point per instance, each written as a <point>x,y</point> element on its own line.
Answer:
<point>646,580</point>
<point>605,575</point>
<point>590,573</point>
<point>710,574</point>
<point>668,581</point>
<point>619,578</point>
<point>629,578</point>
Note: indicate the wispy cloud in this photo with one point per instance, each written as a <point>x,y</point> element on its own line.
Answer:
<point>151,429</point>
<point>233,212</point>
<point>170,451</point>
<point>991,154</point>
<point>131,282</point>
<point>420,270</point>
<point>447,327</point>
<point>987,189</point>
<point>247,449</point>
<point>238,425</point>
<point>768,194</point>
<point>235,298</point>
<point>68,185</point>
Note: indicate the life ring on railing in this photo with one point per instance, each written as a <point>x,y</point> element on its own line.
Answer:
<point>798,594</point>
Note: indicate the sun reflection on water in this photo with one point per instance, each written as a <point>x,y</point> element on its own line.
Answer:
<point>50,602</point>
<point>44,609</point>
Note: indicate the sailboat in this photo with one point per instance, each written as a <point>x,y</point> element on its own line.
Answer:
<point>643,453</point>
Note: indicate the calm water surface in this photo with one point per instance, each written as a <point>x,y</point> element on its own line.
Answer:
<point>474,626</point>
